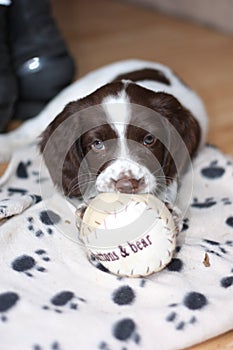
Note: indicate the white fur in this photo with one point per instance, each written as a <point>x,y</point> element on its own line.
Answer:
<point>118,114</point>
<point>128,167</point>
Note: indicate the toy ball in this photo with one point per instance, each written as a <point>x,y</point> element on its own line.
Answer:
<point>129,234</point>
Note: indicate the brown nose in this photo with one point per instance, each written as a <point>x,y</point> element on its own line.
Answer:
<point>127,185</point>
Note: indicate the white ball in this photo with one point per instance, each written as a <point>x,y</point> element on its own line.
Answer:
<point>130,234</point>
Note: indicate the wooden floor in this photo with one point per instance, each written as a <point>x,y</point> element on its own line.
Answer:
<point>103,31</point>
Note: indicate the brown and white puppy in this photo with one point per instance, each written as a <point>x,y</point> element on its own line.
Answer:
<point>135,132</point>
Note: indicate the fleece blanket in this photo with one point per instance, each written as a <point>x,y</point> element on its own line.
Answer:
<point>53,298</point>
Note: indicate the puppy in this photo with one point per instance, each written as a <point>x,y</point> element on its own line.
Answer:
<point>136,132</point>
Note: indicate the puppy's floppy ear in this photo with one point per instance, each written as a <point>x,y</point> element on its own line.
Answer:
<point>180,119</point>
<point>58,146</point>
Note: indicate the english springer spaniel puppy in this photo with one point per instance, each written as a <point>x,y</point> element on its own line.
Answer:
<point>135,132</point>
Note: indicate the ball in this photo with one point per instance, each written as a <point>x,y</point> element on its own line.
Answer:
<point>129,234</point>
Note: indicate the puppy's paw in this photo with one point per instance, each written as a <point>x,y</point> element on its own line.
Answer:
<point>176,215</point>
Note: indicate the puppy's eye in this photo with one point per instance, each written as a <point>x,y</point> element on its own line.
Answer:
<point>97,145</point>
<point>149,140</point>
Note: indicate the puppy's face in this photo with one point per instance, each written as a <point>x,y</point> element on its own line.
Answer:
<point>123,154</point>
<point>121,138</point>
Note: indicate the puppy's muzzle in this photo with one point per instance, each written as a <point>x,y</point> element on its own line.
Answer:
<point>129,185</point>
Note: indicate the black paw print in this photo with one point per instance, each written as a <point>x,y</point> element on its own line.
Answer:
<point>64,300</point>
<point>27,264</point>
<point>22,169</point>
<point>15,190</point>
<point>22,172</point>
<point>54,346</point>
<point>185,225</point>
<point>124,295</point>
<point>104,346</point>
<point>216,248</point>
<point>229,221</point>
<point>208,203</point>
<point>38,178</point>
<point>192,301</point>
<point>227,281</point>
<point>226,201</point>
<point>7,301</point>
<point>213,171</point>
<point>142,282</point>
<point>123,330</point>
<point>176,265</point>
<point>48,218</point>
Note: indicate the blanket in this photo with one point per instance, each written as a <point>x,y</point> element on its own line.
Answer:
<point>53,298</point>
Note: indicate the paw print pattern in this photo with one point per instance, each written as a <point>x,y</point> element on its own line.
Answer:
<point>27,264</point>
<point>104,346</point>
<point>48,218</point>
<point>226,201</point>
<point>8,300</point>
<point>125,330</point>
<point>142,282</point>
<point>193,301</point>
<point>213,171</point>
<point>175,265</point>
<point>22,172</point>
<point>63,301</point>
<point>214,247</point>
<point>227,281</point>
<point>38,178</point>
<point>22,169</point>
<point>229,221</point>
<point>54,346</point>
<point>123,296</point>
<point>15,190</point>
<point>185,225</point>
<point>208,203</point>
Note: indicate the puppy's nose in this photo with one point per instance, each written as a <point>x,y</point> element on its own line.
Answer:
<point>127,185</point>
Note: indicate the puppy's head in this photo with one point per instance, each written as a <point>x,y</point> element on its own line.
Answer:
<point>123,138</point>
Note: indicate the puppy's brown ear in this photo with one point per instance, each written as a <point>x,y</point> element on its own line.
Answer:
<point>58,146</point>
<point>183,131</point>
<point>181,118</point>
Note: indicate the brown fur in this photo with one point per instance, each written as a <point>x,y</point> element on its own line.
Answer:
<point>144,74</point>
<point>64,144</point>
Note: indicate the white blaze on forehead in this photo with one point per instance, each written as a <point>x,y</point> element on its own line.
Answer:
<point>117,109</point>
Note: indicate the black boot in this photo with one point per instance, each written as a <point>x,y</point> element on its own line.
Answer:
<point>8,86</point>
<point>41,60</point>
